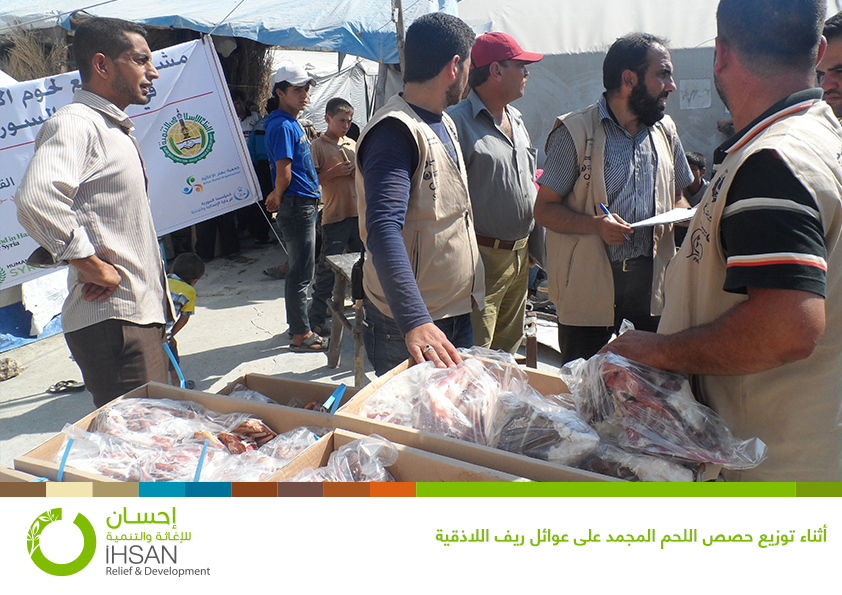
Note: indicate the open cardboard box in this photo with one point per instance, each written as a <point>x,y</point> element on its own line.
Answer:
<point>11,475</point>
<point>39,461</point>
<point>413,465</point>
<point>548,384</point>
<point>283,390</point>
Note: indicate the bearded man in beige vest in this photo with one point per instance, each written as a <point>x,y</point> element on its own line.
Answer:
<point>423,275</point>
<point>620,154</point>
<point>754,297</point>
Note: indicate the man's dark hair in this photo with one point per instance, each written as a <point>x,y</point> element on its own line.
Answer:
<point>188,266</point>
<point>629,52</point>
<point>833,27</point>
<point>695,159</point>
<point>431,42</point>
<point>237,94</point>
<point>101,36</point>
<point>770,36</point>
<point>478,76</point>
<point>336,105</point>
<point>282,87</point>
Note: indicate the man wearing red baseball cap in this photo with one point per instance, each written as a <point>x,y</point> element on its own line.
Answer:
<point>501,164</point>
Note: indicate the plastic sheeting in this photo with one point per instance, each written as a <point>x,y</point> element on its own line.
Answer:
<point>357,27</point>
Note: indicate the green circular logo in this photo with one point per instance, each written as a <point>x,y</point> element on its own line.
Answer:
<point>187,138</point>
<point>33,544</point>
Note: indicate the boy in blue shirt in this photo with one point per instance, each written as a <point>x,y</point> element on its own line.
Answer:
<point>295,198</point>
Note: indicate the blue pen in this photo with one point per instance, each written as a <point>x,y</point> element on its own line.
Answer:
<point>611,218</point>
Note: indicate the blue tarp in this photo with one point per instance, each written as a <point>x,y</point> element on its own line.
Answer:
<point>15,323</point>
<point>356,27</point>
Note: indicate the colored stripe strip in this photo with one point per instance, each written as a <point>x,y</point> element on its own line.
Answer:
<point>347,490</point>
<point>207,489</point>
<point>300,490</point>
<point>424,490</point>
<point>254,489</point>
<point>22,489</point>
<point>400,489</point>
<point>773,258</point>
<point>114,489</point>
<point>70,489</point>
<point>607,489</point>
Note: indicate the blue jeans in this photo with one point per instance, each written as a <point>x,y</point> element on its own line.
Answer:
<point>336,237</point>
<point>384,342</point>
<point>297,216</point>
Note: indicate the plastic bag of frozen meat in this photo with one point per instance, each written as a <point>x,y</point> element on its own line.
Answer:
<point>523,421</point>
<point>653,411</point>
<point>359,460</point>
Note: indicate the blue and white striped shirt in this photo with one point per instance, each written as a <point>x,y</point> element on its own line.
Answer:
<point>631,164</point>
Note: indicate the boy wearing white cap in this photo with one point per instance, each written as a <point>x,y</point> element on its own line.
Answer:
<point>295,198</point>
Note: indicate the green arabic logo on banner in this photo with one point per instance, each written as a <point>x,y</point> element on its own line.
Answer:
<point>33,544</point>
<point>187,138</point>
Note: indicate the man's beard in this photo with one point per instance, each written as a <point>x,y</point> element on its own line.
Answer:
<point>133,96</point>
<point>644,105</point>
<point>720,91</point>
<point>454,92</point>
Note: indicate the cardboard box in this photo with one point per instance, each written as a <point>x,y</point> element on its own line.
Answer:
<point>39,461</point>
<point>11,475</point>
<point>283,390</point>
<point>548,384</point>
<point>413,465</point>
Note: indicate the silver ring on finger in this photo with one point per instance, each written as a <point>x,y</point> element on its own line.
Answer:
<point>428,348</point>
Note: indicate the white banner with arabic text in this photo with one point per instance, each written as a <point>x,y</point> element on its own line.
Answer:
<point>189,134</point>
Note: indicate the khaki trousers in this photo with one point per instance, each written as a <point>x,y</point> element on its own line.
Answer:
<point>500,324</point>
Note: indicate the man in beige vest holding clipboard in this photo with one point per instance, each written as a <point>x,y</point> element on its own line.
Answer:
<point>613,163</point>
<point>754,297</point>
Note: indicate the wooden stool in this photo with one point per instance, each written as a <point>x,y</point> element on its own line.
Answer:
<point>341,265</point>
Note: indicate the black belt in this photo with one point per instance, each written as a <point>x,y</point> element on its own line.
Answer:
<point>298,200</point>
<point>631,264</point>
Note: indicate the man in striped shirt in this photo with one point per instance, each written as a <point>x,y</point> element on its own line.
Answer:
<point>84,200</point>
<point>754,297</point>
<point>620,154</point>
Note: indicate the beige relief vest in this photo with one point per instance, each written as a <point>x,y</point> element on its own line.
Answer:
<point>439,229</point>
<point>581,284</point>
<point>796,409</point>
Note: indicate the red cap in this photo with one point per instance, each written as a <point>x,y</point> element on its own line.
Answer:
<point>496,47</point>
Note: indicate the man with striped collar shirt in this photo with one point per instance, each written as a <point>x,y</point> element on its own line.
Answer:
<point>754,297</point>
<point>84,200</point>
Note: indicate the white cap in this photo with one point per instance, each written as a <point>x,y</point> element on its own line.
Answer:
<point>293,74</point>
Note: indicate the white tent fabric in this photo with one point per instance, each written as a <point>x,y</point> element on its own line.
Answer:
<point>565,27</point>
<point>574,27</point>
<point>357,27</point>
<point>574,36</point>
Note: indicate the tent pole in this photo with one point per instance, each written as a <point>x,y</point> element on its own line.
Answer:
<point>397,7</point>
